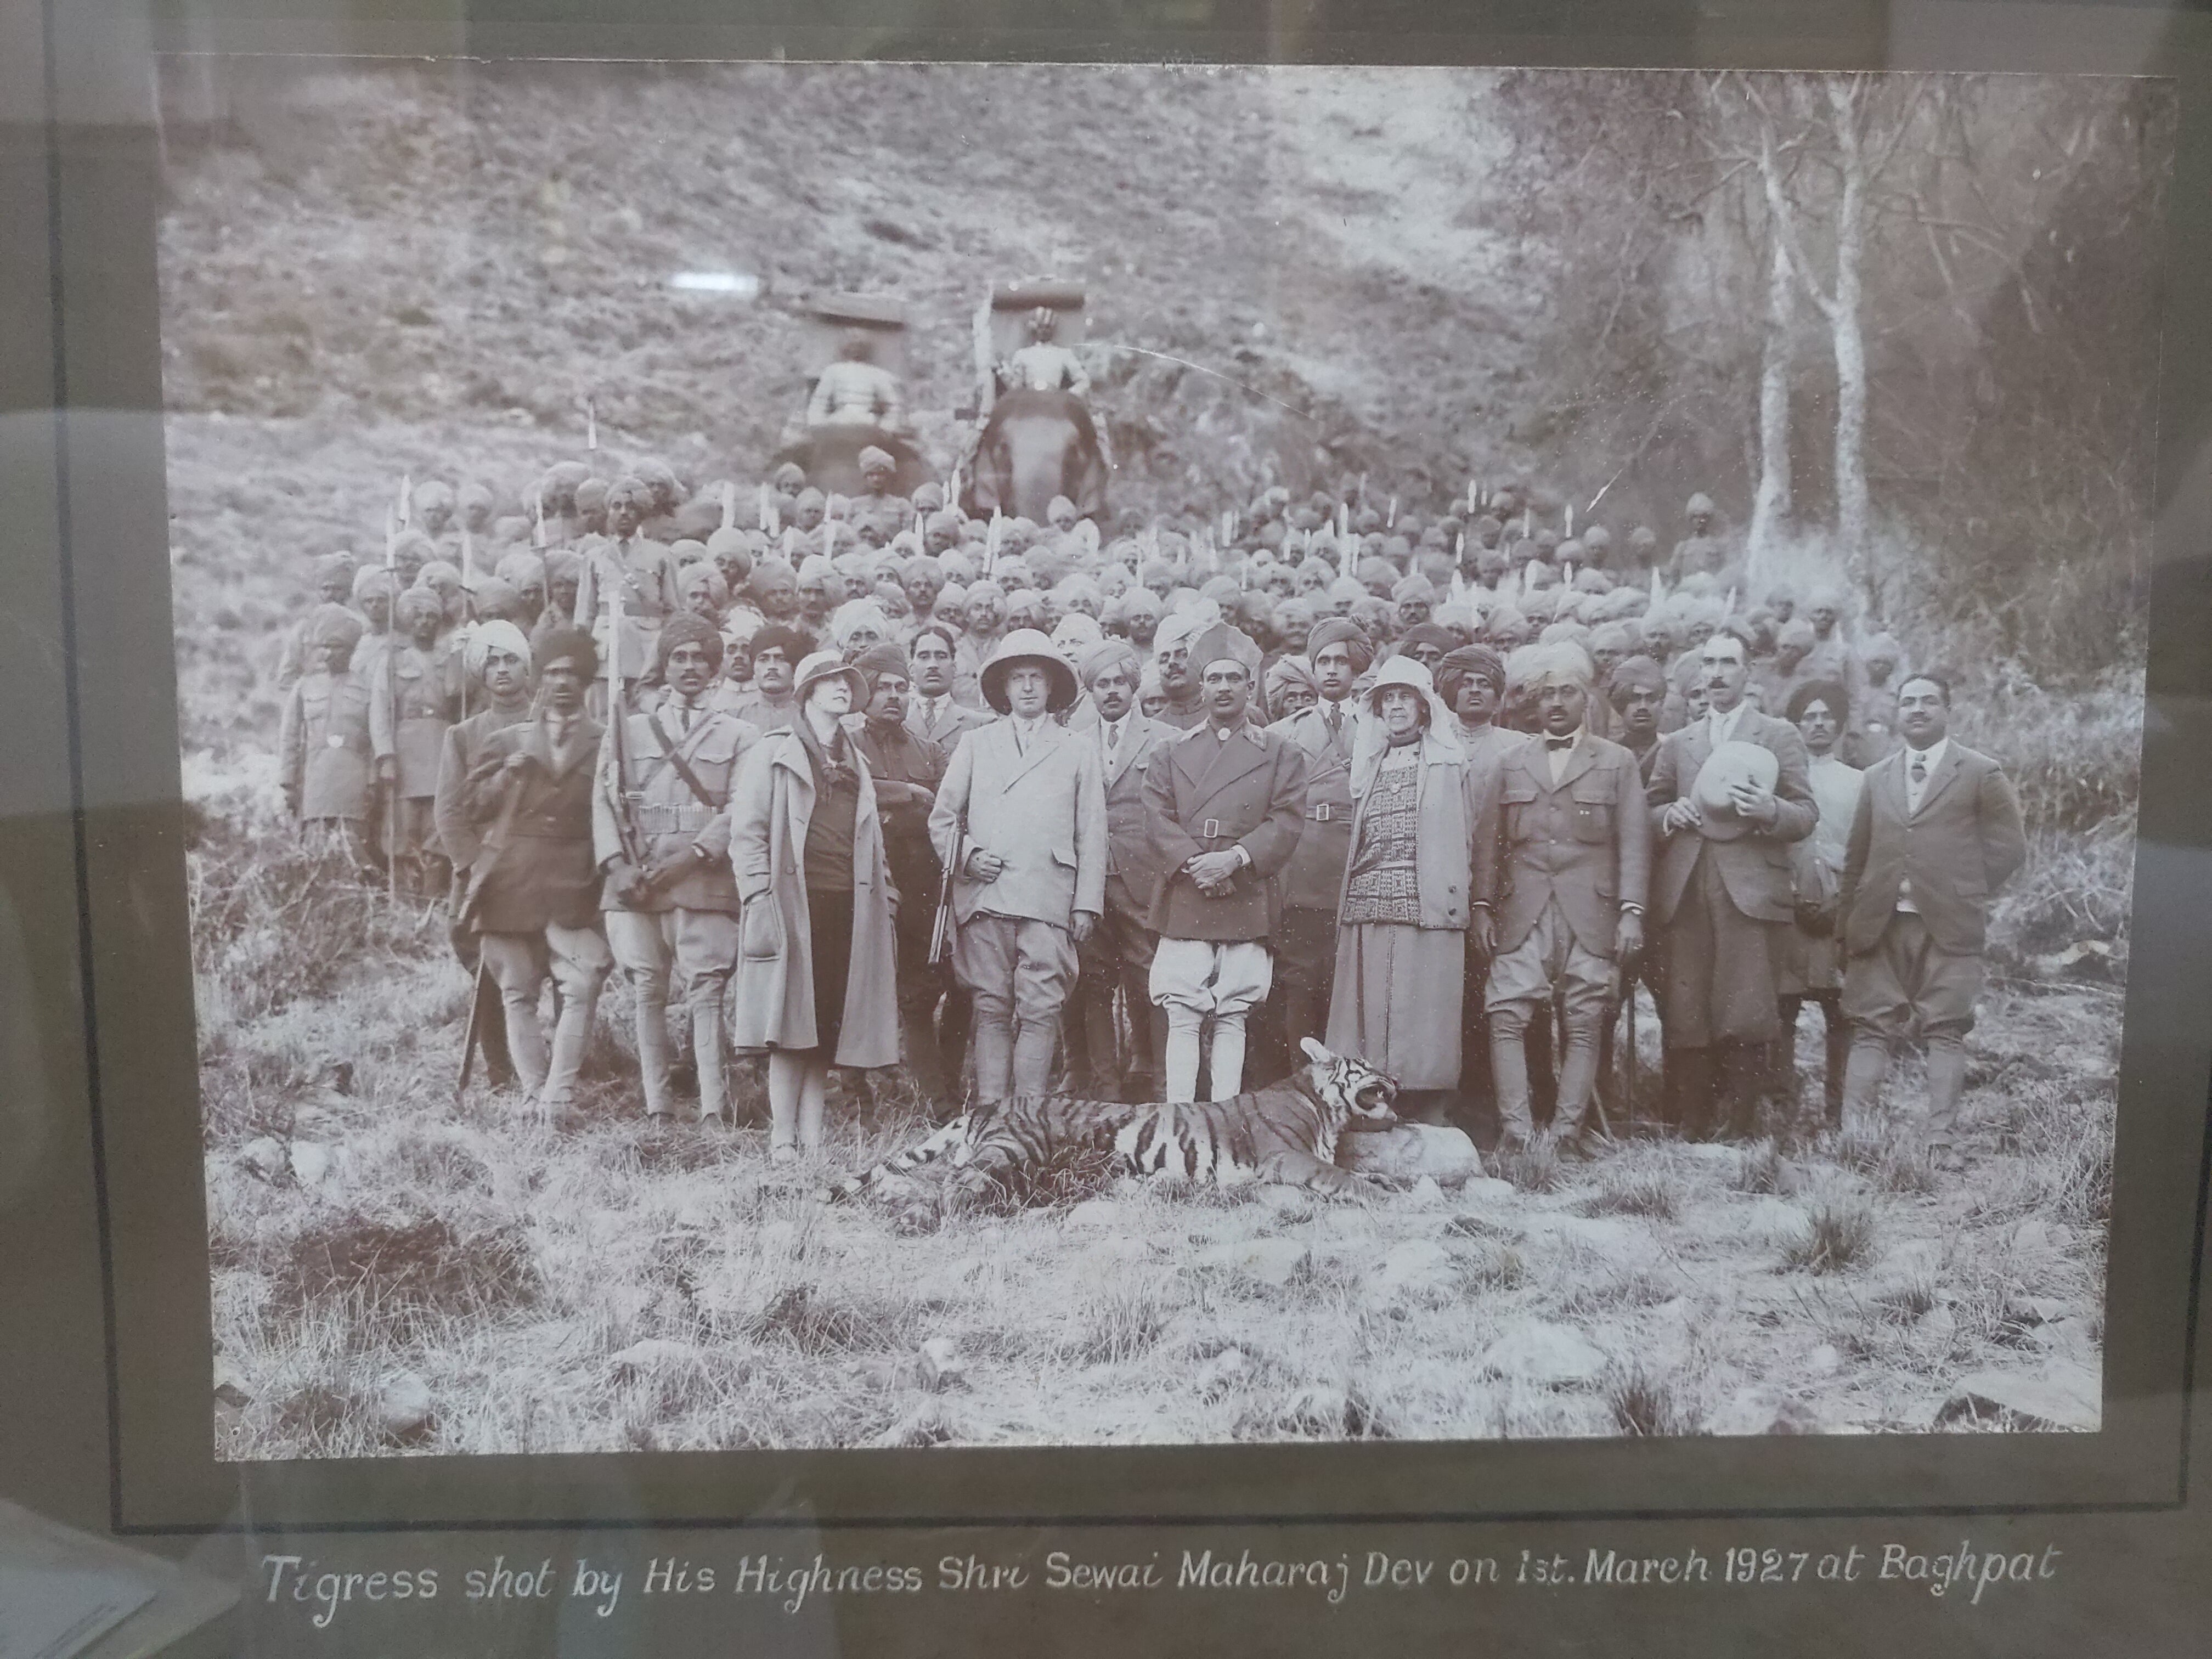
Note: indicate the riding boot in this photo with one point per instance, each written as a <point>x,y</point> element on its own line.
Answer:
<point>1863,1072</point>
<point>1689,1092</point>
<point>706,1055</point>
<point>1509,1074</point>
<point>653,1059</point>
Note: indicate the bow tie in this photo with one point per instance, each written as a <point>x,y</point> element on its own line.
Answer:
<point>1558,743</point>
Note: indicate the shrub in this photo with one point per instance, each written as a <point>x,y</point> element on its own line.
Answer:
<point>404,1272</point>
<point>1644,1194</point>
<point>1841,1233</point>
<point>1647,1401</point>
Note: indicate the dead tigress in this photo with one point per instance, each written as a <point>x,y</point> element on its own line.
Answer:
<point>1286,1133</point>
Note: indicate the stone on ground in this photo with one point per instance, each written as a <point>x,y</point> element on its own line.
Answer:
<point>1270,1260</point>
<point>942,1366</point>
<point>1412,1267</point>
<point>1537,1351</point>
<point>2058,1395</point>
<point>403,1406</point>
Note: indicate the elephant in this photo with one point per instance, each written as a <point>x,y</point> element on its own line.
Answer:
<point>1037,445</point>
<point>830,456</point>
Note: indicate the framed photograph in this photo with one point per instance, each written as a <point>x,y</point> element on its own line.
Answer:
<point>1400,833</point>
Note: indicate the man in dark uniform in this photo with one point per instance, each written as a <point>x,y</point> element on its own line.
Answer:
<point>1227,802</point>
<point>533,892</point>
<point>907,770</point>
<point>1637,687</point>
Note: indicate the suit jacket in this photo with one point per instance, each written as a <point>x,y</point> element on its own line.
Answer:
<point>1963,844</point>
<point>535,831</point>
<point>1043,812</point>
<point>1204,795</point>
<point>666,818</point>
<point>952,720</point>
<point>1755,866</point>
<point>1133,864</point>
<point>1585,841</point>
<point>461,837</point>
<point>1313,878</point>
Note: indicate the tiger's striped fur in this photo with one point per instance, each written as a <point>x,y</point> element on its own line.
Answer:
<point>1286,1133</point>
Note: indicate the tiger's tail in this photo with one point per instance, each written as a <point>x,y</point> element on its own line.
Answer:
<point>926,1151</point>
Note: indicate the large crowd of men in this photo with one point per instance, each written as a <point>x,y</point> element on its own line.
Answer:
<point>1440,785</point>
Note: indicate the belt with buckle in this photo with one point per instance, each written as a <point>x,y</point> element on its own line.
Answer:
<point>1322,813</point>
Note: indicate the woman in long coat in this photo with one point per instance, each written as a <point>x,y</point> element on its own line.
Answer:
<point>1418,832</point>
<point>816,981</point>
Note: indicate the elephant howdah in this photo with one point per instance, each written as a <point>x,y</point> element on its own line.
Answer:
<point>1037,445</point>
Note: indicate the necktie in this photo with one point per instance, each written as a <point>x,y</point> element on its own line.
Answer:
<point>1112,737</point>
<point>1919,770</point>
<point>1557,743</point>
<point>1335,718</point>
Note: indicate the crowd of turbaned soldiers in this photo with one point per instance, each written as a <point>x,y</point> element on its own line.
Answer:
<point>1435,785</point>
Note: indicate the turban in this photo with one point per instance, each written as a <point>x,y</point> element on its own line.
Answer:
<point>698,577</point>
<point>1335,630</point>
<point>524,569</point>
<point>373,581</point>
<point>881,662</point>
<point>794,642</point>
<point>1469,662</point>
<point>563,565</point>
<point>573,645</point>
<point>1179,628</point>
<point>687,628</point>
<point>1643,538</point>
<point>1635,674</point>
<point>814,568</point>
<point>1428,633</point>
<point>333,625</point>
<point>488,637</point>
<point>420,602</point>
<point>1373,572</point>
<point>1417,588</point>
<point>811,496</point>
<point>1141,600</point>
<point>1828,691</point>
<point>855,614</point>
<point>1076,630</point>
<point>496,597</point>
<point>1797,632</point>
<point>1106,655</point>
<point>1287,673</point>
<point>873,459</point>
<point>334,564</point>
<point>1613,635</point>
<point>1884,646</point>
<point>1458,617</point>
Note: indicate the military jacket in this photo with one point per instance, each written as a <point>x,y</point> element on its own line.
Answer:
<point>1315,871</point>
<point>413,696</point>
<point>323,745</point>
<point>535,867</point>
<point>666,817</point>
<point>1205,793</point>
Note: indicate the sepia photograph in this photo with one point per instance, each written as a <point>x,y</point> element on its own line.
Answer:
<point>884,756</point>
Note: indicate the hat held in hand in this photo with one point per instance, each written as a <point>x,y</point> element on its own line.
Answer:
<point>1730,764</point>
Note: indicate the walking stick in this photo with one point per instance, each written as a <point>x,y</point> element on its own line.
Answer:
<point>474,1034</point>
<point>391,678</point>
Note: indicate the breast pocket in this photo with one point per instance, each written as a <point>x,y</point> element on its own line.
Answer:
<point>1517,801</point>
<point>1593,817</point>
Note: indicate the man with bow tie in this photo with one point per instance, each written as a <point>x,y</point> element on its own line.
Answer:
<point>1118,955</point>
<point>1576,860</point>
<point>1937,834</point>
<point>670,895</point>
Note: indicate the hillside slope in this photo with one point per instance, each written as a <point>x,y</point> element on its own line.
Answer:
<point>415,241</point>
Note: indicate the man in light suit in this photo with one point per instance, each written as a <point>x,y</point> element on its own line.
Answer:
<point>1937,832</point>
<point>1227,802</point>
<point>1575,863</point>
<point>1119,954</point>
<point>1721,898</point>
<point>1021,818</point>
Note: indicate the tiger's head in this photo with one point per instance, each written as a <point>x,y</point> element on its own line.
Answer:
<point>1350,1086</point>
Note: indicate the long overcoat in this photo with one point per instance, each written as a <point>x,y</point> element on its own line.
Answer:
<point>1205,793</point>
<point>772,1003</point>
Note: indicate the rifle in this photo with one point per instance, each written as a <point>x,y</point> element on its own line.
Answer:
<point>391,710</point>
<point>616,776</point>
<point>941,930</point>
